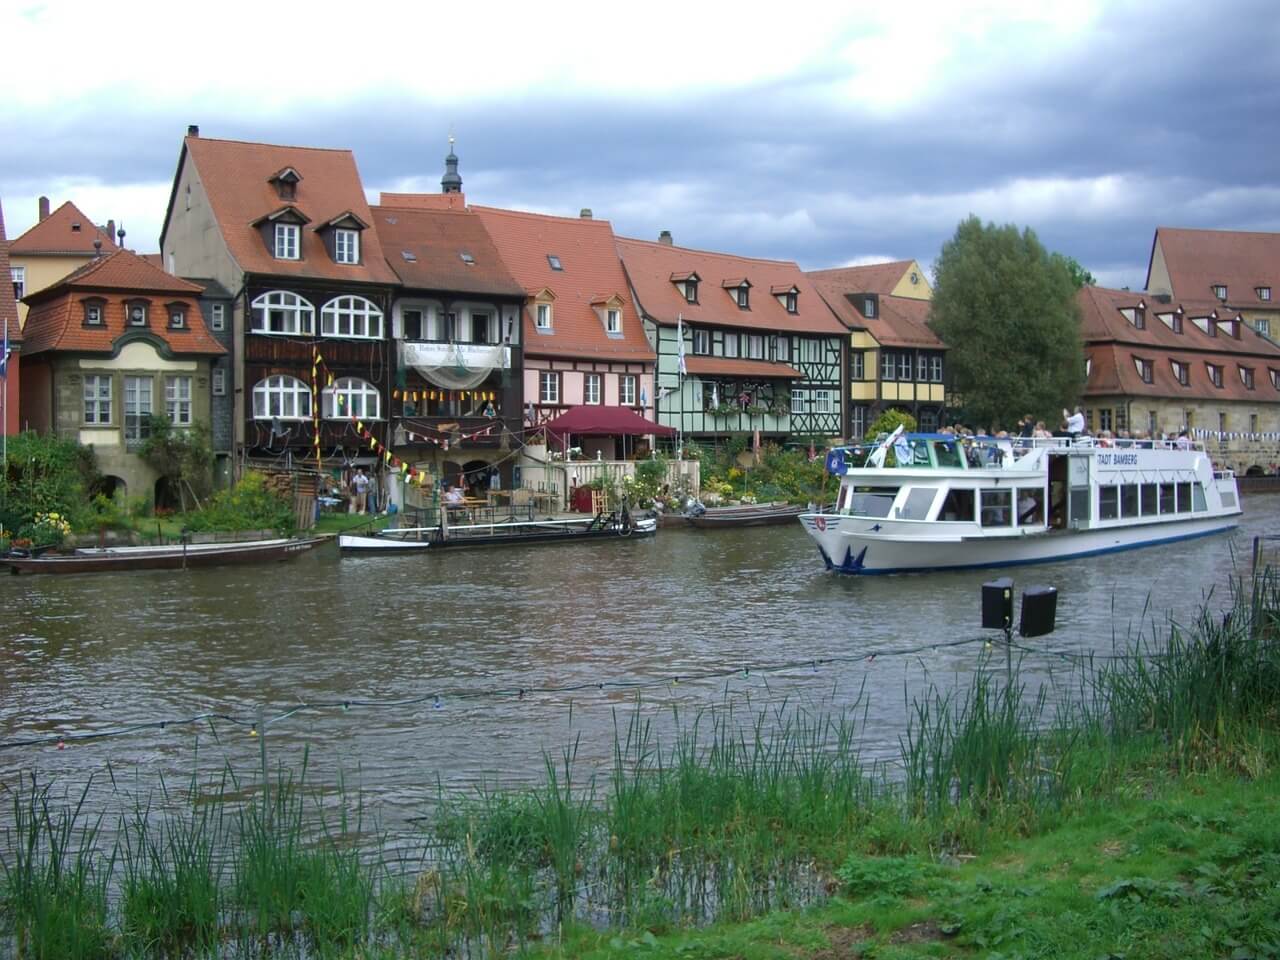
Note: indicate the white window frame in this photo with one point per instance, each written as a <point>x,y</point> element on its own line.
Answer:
<point>18,275</point>
<point>218,382</point>
<point>821,401</point>
<point>218,316</point>
<point>93,314</point>
<point>701,342</point>
<point>139,405</point>
<point>1220,291</point>
<point>743,296</point>
<point>177,400</point>
<point>97,399</point>
<point>799,400</point>
<point>290,397</point>
<point>297,315</point>
<point>793,302</point>
<point>627,389</point>
<point>548,387</point>
<point>1264,293</point>
<point>177,319</point>
<point>346,245</point>
<point>128,319</point>
<point>360,398</point>
<point>613,321</point>
<point>782,349</point>
<point>736,340</point>
<point>691,291</point>
<point>1262,325</point>
<point>286,243</point>
<point>888,365</point>
<point>935,368</point>
<point>361,318</point>
<point>755,346</point>
<point>591,389</point>
<point>542,316</point>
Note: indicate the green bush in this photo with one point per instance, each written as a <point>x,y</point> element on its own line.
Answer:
<point>249,505</point>
<point>889,421</point>
<point>45,474</point>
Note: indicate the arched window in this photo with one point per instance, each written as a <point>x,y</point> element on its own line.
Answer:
<point>284,398</point>
<point>351,317</point>
<point>282,312</point>
<point>350,397</point>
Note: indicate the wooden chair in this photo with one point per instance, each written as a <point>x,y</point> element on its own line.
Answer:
<point>599,502</point>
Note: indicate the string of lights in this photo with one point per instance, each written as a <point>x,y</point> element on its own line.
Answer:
<point>438,698</point>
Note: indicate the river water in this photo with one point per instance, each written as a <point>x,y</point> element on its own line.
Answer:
<point>86,653</point>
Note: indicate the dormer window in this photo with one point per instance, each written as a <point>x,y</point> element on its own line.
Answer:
<point>793,302</point>
<point>543,317</point>
<point>346,246</point>
<point>744,297</point>
<point>1144,368</point>
<point>286,183</point>
<point>869,307</point>
<point>1181,372</point>
<point>613,321</point>
<point>94,309</point>
<point>1275,377</point>
<point>1215,374</point>
<point>788,295</point>
<point>687,284</point>
<point>135,312</point>
<point>177,317</point>
<point>1264,293</point>
<point>1246,377</point>
<point>286,243</point>
<point>1220,291</point>
<point>609,310</point>
<point>1177,320</point>
<point>691,291</point>
<point>1140,316</point>
<point>1230,327</point>
<point>543,321</point>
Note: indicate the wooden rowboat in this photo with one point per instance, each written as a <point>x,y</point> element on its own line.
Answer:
<point>178,556</point>
<point>747,515</point>
<point>501,533</point>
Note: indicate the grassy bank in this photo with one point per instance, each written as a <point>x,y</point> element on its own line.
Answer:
<point>1140,803</point>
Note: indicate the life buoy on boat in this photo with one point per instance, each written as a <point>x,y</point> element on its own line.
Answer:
<point>820,523</point>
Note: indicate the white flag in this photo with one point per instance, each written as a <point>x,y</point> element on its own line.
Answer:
<point>680,344</point>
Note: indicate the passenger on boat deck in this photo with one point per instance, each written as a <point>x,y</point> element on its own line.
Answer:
<point>1104,439</point>
<point>1041,431</point>
<point>1028,427</point>
<point>1075,422</point>
<point>1183,442</point>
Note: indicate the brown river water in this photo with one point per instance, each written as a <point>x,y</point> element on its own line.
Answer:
<point>92,653</point>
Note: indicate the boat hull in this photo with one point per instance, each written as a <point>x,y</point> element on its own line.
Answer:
<point>190,556</point>
<point>526,533</point>
<point>765,516</point>
<point>851,545</point>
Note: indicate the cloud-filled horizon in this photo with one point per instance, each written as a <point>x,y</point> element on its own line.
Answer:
<point>846,134</point>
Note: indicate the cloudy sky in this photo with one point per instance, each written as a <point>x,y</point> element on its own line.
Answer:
<point>828,134</point>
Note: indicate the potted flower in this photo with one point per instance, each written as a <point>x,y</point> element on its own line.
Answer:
<point>757,410</point>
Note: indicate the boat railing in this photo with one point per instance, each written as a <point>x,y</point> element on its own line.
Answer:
<point>981,451</point>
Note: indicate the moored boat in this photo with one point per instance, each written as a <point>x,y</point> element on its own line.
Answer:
<point>179,556</point>
<point>499,533</point>
<point>952,502</point>
<point>747,515</point>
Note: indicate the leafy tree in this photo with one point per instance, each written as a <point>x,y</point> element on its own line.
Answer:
<point>183,457</point>
<point>1006,309</point>
<point>1079,275</point>
<point>889,421</point>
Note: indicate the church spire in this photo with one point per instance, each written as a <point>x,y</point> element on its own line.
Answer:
<point>451,182</point>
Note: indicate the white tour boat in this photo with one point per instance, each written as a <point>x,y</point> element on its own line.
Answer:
<point>952,502</point>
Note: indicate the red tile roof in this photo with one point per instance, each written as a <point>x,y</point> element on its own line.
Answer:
<point>236,177</point>
<point>65,232</point>
<point>56,318</point>
<point>879,278</point>
<point>1101,320</point>
<point>590,270</point>
<point>901,321</point>
<point>721,366</point>
<point>1113,344</point>
<point>651,265</point>
<point>8,306</point>
<point>1197,260</point>
<point>424,201</point>
<point>436,240</point>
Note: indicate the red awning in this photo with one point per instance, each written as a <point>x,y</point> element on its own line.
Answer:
<point>590,420</point>
<point>755,369</point>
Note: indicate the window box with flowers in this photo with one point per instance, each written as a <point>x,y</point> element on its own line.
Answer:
<point>780,408</point>
<point>757,410</point>
<point>725,409</point>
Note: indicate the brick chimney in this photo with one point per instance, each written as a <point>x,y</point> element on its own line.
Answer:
<point>193,130</point>
<point>585,213</point>
<point>44,208</point>
<point>665,238</point>
<point>111,228</point>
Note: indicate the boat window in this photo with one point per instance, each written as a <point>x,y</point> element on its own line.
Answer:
<point>1079,506</point>
<point>1197,498</point>
<point>843,501</point>
<point>872,501</point>
<point>1228,497</point>
<point>957,506</point>
<point>1030,506</point>
<point>1108,502</point>
<point>1129,500</point>
<point>1166,498</point>
<point>1184,498</point>
<point>917,504</point>
<point>947,453</point>
<point>997,508</point>
<point>1149,499</point>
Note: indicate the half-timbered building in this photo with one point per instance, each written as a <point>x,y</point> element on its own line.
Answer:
<point>743,344</point>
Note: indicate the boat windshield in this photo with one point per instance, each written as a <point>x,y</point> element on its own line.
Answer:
<point>872,501</point>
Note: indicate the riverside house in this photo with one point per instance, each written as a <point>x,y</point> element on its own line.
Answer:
<point>584,345</point>
<point>58,243</point>
<point>895,359</point>
<point>457,392</point>
<point>288,232</point>
<point>108,347</point>
<point>1157,365</point>
<point>761,351</point>
<point>10,382</point>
